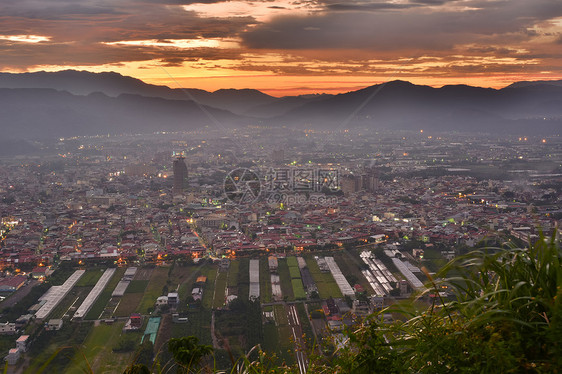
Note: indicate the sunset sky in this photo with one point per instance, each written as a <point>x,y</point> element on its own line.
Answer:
<point>286,47</point>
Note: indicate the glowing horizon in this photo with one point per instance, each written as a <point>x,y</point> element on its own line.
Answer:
<point>282,47</point>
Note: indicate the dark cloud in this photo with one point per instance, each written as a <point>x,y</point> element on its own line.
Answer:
<point>92,55</point>
<point>107,21</point>
<point>78,32</point>
<point>433,2</point>
<point>336,37</point>
<point>55,10</point>
<point>369,6</point>
<point>404,29</point>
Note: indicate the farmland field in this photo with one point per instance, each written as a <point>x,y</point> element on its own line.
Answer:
<point>232,280</point>
<point>137,286</point>
<point>89,278</point>
<point>285,279</point>
<point>327,286</point>
<point>284,347</point>
<point>265,281</point>
<point>211,274</point>
<point>349,265</point>
<point>158,279</point>
<point>292,261</point>
<point>219,291</point>
<point>298,289</point>
<point>97,351</point>
<point>244,278</point>
<point>51,350</point>
<point>128,304</point>
<point>74,298</point>
<point>294,272</point>
<point>105,295</point>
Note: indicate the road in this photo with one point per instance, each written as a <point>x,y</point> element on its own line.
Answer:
<point>300,345</point>
<point>18,295</point>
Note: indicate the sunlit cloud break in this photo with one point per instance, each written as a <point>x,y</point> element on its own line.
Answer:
<point>489,43</point>
<point>261,11</point>
<point>25,38</point>
<point>180,43</point>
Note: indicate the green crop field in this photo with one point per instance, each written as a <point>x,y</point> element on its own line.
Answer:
<point>327,286</point>
<point>349,264</point>
<point>90,278</point>
<point>137,286</point>
<point>199,325</point>
<point>233,273</point>
<point>285,279</point>
<point>265,281</point>
<point>220,288</point>
<point>97,351</point>
<point>274,345</point>
<point>182,278</point>
<point>298,289</point>
<point>158,279</point>
<point>105,295</point>
<point>244,278</point>
<point>128,304</point>
<point>73,299</point>
<point>294,272</point>
<point>292,261</point>
<point>51,350</point>
<point>211,274</point>
<point>284,346</point>
<point>280,315</point>
<point>305,325</point>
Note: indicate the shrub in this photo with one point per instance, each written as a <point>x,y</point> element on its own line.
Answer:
<point>506,316</point>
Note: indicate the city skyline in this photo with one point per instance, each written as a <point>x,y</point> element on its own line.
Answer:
<point>286,48</point>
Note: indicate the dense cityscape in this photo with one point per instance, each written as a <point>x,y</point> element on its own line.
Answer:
<point>250,236</point>
<point>280,186</point>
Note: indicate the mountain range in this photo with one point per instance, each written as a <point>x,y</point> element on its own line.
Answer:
<point>69,103</point>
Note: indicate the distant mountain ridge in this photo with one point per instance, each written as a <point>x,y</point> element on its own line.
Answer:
<point>48,113</point>
<point>115,84</point>
<point>68,103</point>
<point>533,83</point>
<point>403,105</point>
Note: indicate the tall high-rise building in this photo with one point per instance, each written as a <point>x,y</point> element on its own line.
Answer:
<point>350,184</point>
<point>370,180</point>
<point>180,176</point>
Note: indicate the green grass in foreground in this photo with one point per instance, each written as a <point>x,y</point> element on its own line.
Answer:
<point>97,351</point>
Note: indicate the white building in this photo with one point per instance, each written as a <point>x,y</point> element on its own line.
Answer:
<point>54,325</point>
<point>13,356</point>
<point>7,328</point>
<point>21,343</point>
